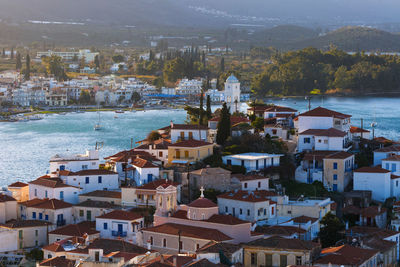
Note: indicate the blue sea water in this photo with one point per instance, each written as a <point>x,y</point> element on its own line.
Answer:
<point>26,147</point>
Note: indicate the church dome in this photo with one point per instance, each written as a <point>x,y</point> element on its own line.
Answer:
<point>232,79</point>
<point>202,202</point>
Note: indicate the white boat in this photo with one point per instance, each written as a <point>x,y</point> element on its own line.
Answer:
<point>97,126</point>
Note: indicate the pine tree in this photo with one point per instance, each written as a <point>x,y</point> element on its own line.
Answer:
<point>208,107</point>
<point>18,64</point>
<point>224,125</point>
<point>97,62</point>
<point>201,111</point>
<point>222,65</point>
<point>28,68</point>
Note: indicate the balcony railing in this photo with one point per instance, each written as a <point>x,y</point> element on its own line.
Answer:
<point>60,222</point>
<point>118,233</point>
<point>187,158</point>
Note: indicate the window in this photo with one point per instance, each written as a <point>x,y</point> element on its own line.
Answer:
<point>164,243</point>
<point>325,142</point>
<point>203,216</point>
<point>46,217</point>
<point>241,211</point>
<point>242,163</point>
<point>20,234</point>
<point>245,185</point>
<point>334,187</point>
<point>40,216</point>
<point>99,179</point>
<point>273,210</point>
<point>35,192</point>
<point>33,215</point>
<point>36,232</point>
<point>226,209</point>
<point>258,212</point>
<point>229,162</point>
<point>254,259</point>
<point>397,183</point>
<point>307,140</point>
<point>387,166</point>
<point>319,140</point>
<point>259,184</point>
<point>248,212</point>
<point>186,154</point>
<point>190,135</point>
<point>62,195</point>
<point>274,131</point>
<point>160,154</point>
<point>45,194</point>
<point>393,167</point>
<point>265,212</point>
<point>151,240</point>
<point>180,245</point>
<point>86,180</point>
<point>49,256</point>
<point>299,260</point>
<point>81,213</point>
<point>335,177</point>
<point>84,167</point>
<point>335,165</point>
<point>36,243</point>
<point>283,260</point>
<point>21,245</point>
<point>197,246</point>
<point>105,226</point>
<point>268,260</point>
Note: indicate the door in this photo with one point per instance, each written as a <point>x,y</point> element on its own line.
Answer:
<point>178,154</point>
<point>149,177</point>
<point>190,135</point>
<point>186,154</point>
<point>256,164</point>
<point>120,229</point>
<point>89,215</point>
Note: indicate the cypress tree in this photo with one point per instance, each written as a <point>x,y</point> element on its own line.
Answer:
<point>208,107</point>
<point>28,68</point>
<point>97,62</point>
<point>224,125</point>
<point>222,65</point>
<point>12,52</point>
<point>201,111</point>
<point>18,64</point>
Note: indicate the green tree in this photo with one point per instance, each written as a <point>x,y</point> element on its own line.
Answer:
<point>27,68</point>
<point>224,125</point>
<point>201,112</point>
<point>12,53</point>
<point>3,55</point>
<point>118,58</point>
<point>55,66</point>
<point>84,98</point>
<point>222,65</point>
<point>135,97</point>
<point>258,124</point>
<point>97,62</point>
<point>174,69</point>
<point>153,136</point>
<point>208,107</point>
<point>18,63</point>
<point>331,227</point>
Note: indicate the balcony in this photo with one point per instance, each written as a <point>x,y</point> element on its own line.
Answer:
<point>119,234</point>
<point>184,158</point>
<point>60,222</point>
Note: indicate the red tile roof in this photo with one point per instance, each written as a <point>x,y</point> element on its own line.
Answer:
<point>156,183</point>
<point>277,242</point>
<point>339,155</point>
<point>77,230</point>
<point>248,177</point>
<point>18,184</point>
<point>5,198</point>
<point>53,204</point>
<point>103,193</point>
<point>375,169</point>
<point>393,158</point>
<point>121,215</point>
<point>234,120</point>
<point>280,230</point>
<point>190,143</point>
<point>346,255</point>
<point>58,262</point>
<point>89,172</point>
<point>24,223</point>
<point>354,129</point>
<point>54,247</point>
<point>304,219</point>
<point>331,132</point>
<point>225,219</point>
<point>202,203</point>
<point>279,109</point>
<point>392,148</point>
<point>249,196</point>
<point>142,163</point>
<point>323,112</point>
<point>50,182</point>
<point>188,127</point>
<point>189,231</point>
<point>372,211</point>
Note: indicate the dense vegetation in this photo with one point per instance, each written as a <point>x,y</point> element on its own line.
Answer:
<point>333,71</point>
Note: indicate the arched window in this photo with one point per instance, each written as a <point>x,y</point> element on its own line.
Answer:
<point>151,240</point>
<point>164,242</point>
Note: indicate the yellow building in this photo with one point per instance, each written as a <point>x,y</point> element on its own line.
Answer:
<point>338,170</point>
<point>189,151</point>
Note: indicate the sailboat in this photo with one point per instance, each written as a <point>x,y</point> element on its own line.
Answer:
<point>97,126</point>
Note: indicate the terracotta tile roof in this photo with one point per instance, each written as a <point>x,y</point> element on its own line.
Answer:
<point>121,215</point>
<point>50,182</point>
<point>393,158</point>
<point>54,247</point>
<point>90,172</point>
<point>215,247</point>
<point>5,198</point>
<point>249,196</point>
<point>190,143</point>
<point>354,129</point>
<point>351,209</point>
<point>78,229</point>
<point>379,244</point>
<point>339,155</point>
<point>279,109</point>
<point>24,223</point>
<point>331,132</point>
<point>203,263</point>
<point>103,193</point>
<point>18,184</point>
<point>392,148</point>
<point>234,120</point>
<point>128,155</point>
<point>58,262</point>
<point>157,144</point>
<point>393,177</point>
<point>210,171</point>
<point>304,219</point>
<point>142,163</point>
<point>323,112</point>
<point>375,169</point>
<point>370,231</point>
<point>317,155</point>
<point>153,185</point>
<point>112,245</point>
<point>188,127</point>
<point>189,231</point>
<point>282,243</point>
<point>202,202</point>
<point>168,260</point>
<point>345,255</point>
<point>225,219</point>
<point>53,204</point>
<point>280,230</point>
<point>248,177</point>
<point>181,214</point>
<point>97,204</point>
<point>372,211</point>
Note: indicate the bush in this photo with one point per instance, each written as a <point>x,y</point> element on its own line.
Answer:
<point>35,254</point>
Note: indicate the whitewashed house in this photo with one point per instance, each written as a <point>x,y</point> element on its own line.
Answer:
<point>375,179</point>
<point>322,139</point>
<point>158,149</point>
<point>251,182</point>
<point>54,211</point>
<point>48,187</point>
<point>75,162</point>
<point>181,132</point>
<point>120,224</point>
<point>253,161</point>
<point>91,180</point>
<point>385,152</point>
<point>8,208</point>
<point>144,171</point>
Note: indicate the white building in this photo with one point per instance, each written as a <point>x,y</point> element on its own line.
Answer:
<point>377,180</point>
<point>189,87</point>
<point>384,153</point>
<point>212,252</point>
<point>232,93</point>
<point>120,224</point>
<point>322,139</point>
<point>8,208</point>
<point>158,149</point>
<point>69,56</point>
<point>181,132</point>
<point>9,239</point>
<point>144,171</point>
<point>75,162</point>
<point>91,180</point>
<point>248,205</point>
<point>215,95</point>
<point>251,182</point>
<point>253,161</point>
<point>46,187</point>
